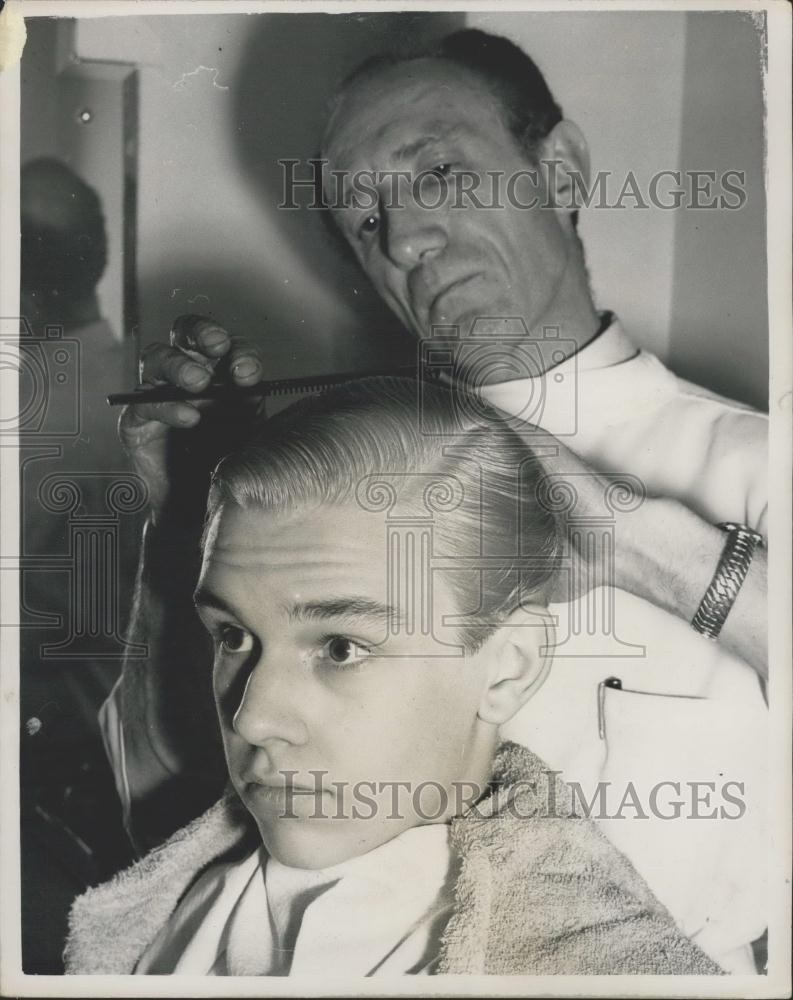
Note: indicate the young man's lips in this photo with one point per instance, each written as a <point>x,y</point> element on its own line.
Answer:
<point>285,800</point>
<point>277,786</point>
<point>282,801</point>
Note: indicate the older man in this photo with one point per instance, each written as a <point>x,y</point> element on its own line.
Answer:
<point>639,701</point>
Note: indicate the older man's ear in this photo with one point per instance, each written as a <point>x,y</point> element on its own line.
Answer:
<point>565,155</point>
<point>519,654</point>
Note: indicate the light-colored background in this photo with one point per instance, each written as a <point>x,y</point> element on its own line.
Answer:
<point>222,97</point>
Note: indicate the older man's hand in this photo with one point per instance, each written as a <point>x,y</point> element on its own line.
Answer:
<point>199,350</point>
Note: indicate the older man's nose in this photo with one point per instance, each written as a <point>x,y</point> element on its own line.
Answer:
<point>414,235</point>
<point>269,706</point>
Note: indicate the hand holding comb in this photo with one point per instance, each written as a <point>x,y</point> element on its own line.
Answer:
<point>223,390</point>
<point>200,349</point>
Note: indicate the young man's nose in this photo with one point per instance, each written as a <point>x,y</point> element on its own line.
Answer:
<point>269,706</point>
<point>414,234</point>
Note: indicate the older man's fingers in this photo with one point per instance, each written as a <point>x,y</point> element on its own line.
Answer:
<point>160,363</point>
<point>169,414</point>
<point>244,362</point>
<point>201,334</point>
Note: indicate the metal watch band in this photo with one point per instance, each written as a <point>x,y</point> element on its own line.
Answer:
<point>727,580</point>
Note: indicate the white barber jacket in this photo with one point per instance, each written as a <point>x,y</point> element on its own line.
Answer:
<point>682,746</point>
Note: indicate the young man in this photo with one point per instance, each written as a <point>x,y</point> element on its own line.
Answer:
<point>636,695</point>
<point>375,581</point>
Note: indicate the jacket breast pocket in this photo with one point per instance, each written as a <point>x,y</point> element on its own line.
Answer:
<point>683,796</point>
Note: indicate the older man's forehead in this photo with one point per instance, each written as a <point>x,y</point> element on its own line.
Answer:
<point>391,107</point>
<point>402,139</point>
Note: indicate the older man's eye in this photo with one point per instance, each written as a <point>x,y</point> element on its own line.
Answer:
<point>338,652</point>
<point>369,225</point>
<point>234,639</point>
<point>441,169</point>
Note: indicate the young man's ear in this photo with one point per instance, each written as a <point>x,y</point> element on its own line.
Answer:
<point>520,657</point>
<point>564,163</point>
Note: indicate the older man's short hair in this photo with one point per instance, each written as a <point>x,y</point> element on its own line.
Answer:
<point>529,108</point>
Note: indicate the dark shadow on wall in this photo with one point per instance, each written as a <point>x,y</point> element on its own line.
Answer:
<point>288,74</point>
<point>258,311</point>
<point>719,335</point>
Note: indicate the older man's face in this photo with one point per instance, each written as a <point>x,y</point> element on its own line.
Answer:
<point>447,265</point>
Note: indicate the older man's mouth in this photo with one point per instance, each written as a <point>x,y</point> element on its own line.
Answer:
<point>442,306</point>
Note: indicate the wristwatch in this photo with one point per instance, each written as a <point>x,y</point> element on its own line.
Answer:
<point>728,578</point>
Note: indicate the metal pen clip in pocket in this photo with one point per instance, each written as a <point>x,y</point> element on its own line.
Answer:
<point>610,682</point>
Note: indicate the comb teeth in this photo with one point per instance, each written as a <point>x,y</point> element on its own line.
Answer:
<point>288,390</point>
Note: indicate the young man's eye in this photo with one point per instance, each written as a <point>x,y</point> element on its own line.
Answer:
<point>369,225</point>
<point>441,169</point>
<point>339,651</point>
<point>234,639</point>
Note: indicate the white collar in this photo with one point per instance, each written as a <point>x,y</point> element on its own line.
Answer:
<point>609,348</point>
<point>345,919</point>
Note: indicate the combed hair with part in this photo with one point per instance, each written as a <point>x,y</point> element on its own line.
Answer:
<point>421,451</point>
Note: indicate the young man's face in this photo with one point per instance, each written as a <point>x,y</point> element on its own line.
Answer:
<point>449,265</point>
<point>309,677</point>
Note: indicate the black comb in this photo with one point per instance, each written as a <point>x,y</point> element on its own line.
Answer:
<point>276,387</point>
